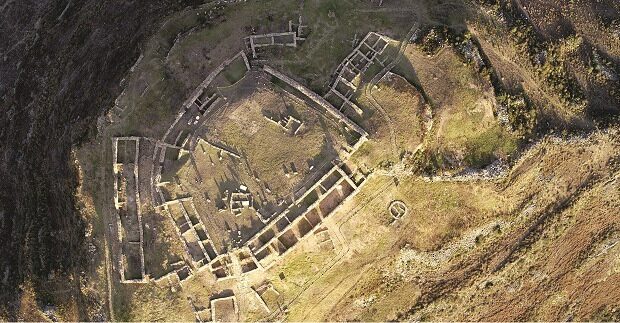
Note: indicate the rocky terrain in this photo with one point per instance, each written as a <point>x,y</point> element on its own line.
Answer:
<point>497,126</point>
<point>62,63</point>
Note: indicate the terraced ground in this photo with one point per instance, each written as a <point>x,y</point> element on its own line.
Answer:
<point>494,122</point>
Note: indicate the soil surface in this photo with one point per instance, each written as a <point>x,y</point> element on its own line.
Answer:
<point>540,243</point>
<point>62,64</point>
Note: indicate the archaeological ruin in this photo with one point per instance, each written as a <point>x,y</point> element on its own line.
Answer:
<point>275,220</point>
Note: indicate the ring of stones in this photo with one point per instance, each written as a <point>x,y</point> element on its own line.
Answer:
<point>397,209</point>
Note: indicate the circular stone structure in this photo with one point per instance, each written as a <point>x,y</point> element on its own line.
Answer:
<point>397,209</point>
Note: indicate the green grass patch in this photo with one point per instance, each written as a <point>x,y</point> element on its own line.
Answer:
<point>340,8</point>
<point>489,145</point>
<point>235,71</point>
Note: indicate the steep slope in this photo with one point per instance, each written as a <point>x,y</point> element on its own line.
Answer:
<point>61,68</point>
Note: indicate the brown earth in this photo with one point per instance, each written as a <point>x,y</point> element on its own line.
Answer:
<point>541,244</point>
<point>61,68</point>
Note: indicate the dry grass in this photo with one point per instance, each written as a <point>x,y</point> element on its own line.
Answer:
<point>567,265</point>
<point>437,214</point>
<point>162,246</point>
<point>377,281</point>
<point>267,154</point>
<point>151,303</point>
<point>29,310</point>
<point>266,146</point>
<point>407,111</point>
<point>465,129</point>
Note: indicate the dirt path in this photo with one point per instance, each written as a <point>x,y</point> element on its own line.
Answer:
<point>107,238</point>
<point>528,81</point>
<point>368,89</point>
<point>335,294</point>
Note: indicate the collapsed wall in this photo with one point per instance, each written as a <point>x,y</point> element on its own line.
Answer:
<point>126,151</point>
<point>191,231</point>
<point>305,215</point>
<point>299,220</point>
<point>355,64</point>
<point>317,99</point>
